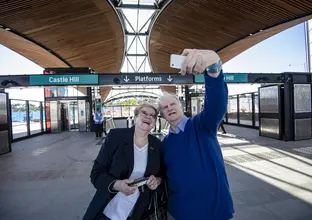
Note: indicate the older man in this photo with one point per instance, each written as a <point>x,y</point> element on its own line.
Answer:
<point>197,180</point>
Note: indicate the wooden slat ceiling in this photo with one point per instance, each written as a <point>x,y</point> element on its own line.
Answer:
<point>84,33</point>
<point>221,25</point>
<point>29,49</point>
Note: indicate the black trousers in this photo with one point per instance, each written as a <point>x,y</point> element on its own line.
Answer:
<point>98,130</point>
<point>222,127</point>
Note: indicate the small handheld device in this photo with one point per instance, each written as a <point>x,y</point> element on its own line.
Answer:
<point>139,182</point>
<point>176,61</point>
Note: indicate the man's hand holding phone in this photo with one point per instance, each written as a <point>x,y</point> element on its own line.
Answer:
<point>193,61</point>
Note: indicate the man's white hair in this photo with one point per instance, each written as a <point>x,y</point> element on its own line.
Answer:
<point>165,96</point>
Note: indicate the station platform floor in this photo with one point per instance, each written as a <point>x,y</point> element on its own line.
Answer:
<point>47,177</point>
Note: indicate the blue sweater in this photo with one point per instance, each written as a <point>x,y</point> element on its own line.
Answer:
<point>197,180</point>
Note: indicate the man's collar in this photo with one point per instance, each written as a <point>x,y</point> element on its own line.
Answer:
<point>180,126</point>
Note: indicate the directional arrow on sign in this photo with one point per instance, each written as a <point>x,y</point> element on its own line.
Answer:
<point>126,79</point>
<point>169,78</point>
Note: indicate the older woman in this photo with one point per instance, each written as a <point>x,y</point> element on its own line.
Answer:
<point>127,154</point>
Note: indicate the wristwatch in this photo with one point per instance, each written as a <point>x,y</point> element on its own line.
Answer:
<point>214,68</point>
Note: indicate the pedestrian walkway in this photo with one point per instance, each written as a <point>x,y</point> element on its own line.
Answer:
<point>47,177</point>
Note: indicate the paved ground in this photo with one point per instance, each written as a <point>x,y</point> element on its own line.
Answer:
<point>47,177</point>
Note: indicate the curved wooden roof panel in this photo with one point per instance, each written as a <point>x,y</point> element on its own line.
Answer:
<point>29,50</point>
<point>226,26</point>
<point>83,33</point>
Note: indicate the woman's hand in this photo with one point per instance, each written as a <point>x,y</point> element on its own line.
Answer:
<point>153,182</point>
<point>122,186</point>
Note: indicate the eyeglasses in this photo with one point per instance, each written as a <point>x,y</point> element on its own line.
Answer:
<point>145,114</point>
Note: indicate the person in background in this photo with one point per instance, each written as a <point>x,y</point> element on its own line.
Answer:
<point>222,127</point>
<point>127,154</point>
<point>98,123</point>
<point>197,180</point>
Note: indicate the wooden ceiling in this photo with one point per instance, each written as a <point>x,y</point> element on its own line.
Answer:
<point>221,25</point>
<point>83,33</point>
<point>88,32</point>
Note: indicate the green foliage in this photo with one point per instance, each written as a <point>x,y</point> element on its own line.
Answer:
<point>18,107</point>
<point>129,102</point>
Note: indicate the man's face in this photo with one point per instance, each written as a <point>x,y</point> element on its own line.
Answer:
<point>171,109</point>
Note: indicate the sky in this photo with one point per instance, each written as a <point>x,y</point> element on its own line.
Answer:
<point>284,52</point>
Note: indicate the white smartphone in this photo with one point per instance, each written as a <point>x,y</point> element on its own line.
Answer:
<point>176,61</point>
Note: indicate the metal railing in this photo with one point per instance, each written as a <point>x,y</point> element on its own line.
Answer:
<point>243,110</point>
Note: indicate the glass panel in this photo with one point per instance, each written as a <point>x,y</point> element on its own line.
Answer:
<point>108,112</point>
<point>232,110</point>
<point>132,64</point>
<point>34,117</point>
<point>256,110</point>
<point>269,99</point>
<point>144,16</point>
<point>142,2</point>
<point>43,118</point>
<point>142,41</point>
<point>146,26</point>
<point>117,111</point>
<point>131,15</point>
<point>303,129</point>
<point>73,116</point>
<point>136,47</point>
<point>18,117</point>
<point>245,109</point>
<point>64,91</point>
<point>125,66</point>
<point>132,2</point>
<point>130,42</point>
<point>147,68</point>
<point>141,64</point>
<point>270,127</point>
<point>302,97</point>
<point>125,111</point>
<point>132,111</point>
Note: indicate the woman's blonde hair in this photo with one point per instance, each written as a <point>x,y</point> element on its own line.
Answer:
<point>145,104</point>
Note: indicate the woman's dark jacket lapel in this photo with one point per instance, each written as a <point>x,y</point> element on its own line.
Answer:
<point>115,161</point>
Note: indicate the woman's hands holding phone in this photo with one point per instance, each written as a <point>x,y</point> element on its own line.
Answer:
<point>123,186</point>
<point>153,182</point>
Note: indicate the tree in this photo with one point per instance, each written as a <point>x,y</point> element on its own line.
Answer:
<point>129,102</point>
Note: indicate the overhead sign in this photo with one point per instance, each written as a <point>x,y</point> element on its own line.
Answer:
<point>146,79</point>
<point>228,77</point>
<point>56,80</point>
<point>155,79</point>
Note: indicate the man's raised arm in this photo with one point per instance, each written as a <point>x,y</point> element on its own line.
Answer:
<point>216,99</point>
<point>216,92</point>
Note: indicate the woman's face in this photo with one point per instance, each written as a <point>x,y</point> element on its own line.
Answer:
<point>146,119</point>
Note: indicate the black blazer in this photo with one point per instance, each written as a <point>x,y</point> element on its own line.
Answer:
<point>115,162</point>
